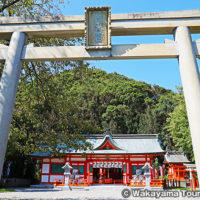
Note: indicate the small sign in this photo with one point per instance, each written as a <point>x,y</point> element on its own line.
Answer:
<point>97,28</point>
<point>107,164</point>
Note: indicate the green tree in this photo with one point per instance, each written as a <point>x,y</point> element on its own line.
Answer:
<point>153,121</point>
<point>125,101</point>
<point>35,108</point>
<point>30,8</point>
<point>178,127</point>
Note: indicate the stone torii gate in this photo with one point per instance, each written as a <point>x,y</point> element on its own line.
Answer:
<point>179,23</point>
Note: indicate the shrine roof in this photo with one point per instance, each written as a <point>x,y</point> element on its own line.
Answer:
<point>126,143</point>
<point>119,144</point>
<point>176,157</point>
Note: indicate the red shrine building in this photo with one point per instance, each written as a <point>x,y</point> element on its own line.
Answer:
<point>113,159</point>
<point>181,171</point>
<point>176,169</point>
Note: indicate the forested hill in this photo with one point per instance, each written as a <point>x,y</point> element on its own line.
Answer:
<point>114,102</point>
<point>88,100</point>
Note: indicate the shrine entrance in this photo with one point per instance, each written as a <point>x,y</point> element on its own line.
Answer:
<point>109,172</point>
<point>108,176</point>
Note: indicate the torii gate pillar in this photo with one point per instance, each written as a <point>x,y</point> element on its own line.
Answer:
<point>191,86</point>
<point>8,89</point>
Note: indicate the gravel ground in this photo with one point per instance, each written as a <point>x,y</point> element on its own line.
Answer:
<point>93,193</point>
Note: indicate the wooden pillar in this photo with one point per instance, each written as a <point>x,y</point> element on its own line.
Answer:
<point>179,183</point>
<point>197,183</point>
<point>191,180</point>
<point>100,175</point>
<point>194,182</point>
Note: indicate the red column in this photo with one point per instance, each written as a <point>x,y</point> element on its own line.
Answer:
<point>90,173</point>
<point>191,184</point>
<point>85,169</point>
<point>197,183</point>
<point>194,182</point>
<point>125,173</point>
<point>100,176</point>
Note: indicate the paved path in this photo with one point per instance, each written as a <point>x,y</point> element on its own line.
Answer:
<point>104,193</point>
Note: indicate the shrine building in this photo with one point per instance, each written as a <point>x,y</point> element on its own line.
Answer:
<point>181,171</point>
<point>114,159</point>
<point>176,169</point>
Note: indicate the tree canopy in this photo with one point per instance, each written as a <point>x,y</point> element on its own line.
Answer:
<point>31,8</point>
<point>178,127</point>
<point>57,108</point>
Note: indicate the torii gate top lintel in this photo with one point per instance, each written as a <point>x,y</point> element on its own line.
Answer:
<point>114,17</point>
<point>150,23</point>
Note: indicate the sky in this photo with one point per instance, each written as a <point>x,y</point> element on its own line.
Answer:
<point>163,72</point>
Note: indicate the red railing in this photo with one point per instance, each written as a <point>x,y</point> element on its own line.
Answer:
<point>72,182</point>
<point>142,183</point>
<point>137,183</point>
<point>78,182</point>
<point>133,182</point>
<point>58,182</point>
<point>158,183</point>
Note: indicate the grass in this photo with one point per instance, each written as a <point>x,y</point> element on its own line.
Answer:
<point>6,190</point>
<point>181,188</point>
